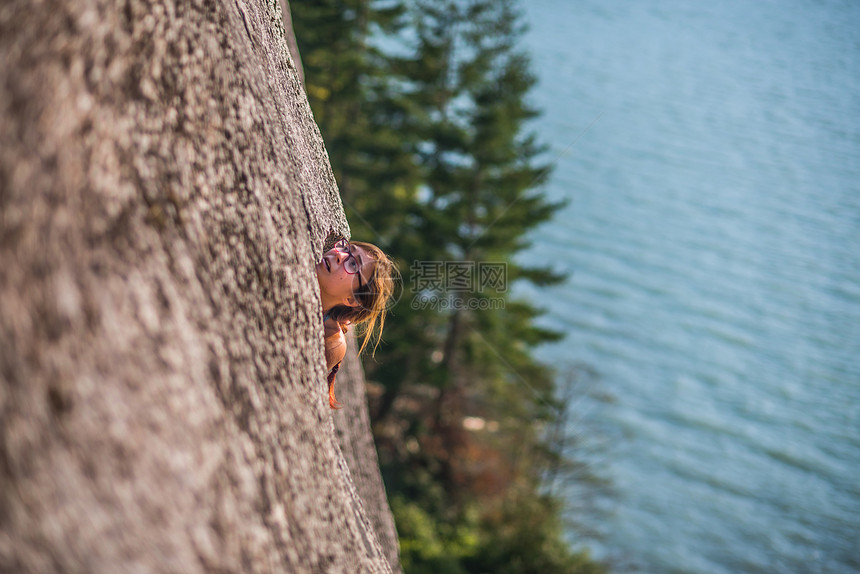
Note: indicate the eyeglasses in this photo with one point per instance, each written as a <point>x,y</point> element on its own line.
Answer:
<point>350,264</point>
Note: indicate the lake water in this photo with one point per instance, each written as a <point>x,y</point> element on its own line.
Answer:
<point>711,155</point>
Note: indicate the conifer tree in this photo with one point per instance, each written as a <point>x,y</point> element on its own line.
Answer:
<point>348,82</point>
<point>468,83</point>
<point>431,149</point>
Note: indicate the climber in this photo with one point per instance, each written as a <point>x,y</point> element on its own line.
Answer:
<point>356,281</point>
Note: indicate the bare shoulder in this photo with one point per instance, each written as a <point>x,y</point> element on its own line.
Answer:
<point>332,327</point>
<point>335,343</point>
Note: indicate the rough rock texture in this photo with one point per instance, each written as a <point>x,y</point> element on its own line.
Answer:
<point>356,442</point>
<point>292,44</point>
<point>164,194</point>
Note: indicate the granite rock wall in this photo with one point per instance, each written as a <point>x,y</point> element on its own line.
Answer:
<point>164,194</point>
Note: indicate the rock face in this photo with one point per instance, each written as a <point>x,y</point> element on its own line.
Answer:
<point>356,442</point>
<point>164,194</point>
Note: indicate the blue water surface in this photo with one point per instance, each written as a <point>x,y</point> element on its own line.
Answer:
<point>710,152</point>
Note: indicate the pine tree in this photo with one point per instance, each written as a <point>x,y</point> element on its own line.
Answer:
<point>430,146</point>
<point>468,84</point>
<point>349,86</point>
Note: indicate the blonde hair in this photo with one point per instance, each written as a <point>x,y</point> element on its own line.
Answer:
<point>372,297</point>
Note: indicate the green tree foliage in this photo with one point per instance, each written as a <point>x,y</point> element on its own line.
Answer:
<point>348,83</point>
<point>467,83</point>
<point>429,142</point>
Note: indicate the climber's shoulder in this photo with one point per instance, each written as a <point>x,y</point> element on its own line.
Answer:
<point>335,343</point>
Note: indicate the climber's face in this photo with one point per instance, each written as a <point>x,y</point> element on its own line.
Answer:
<point>343,271</point>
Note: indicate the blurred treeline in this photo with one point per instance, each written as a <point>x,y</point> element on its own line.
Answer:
<point>422,106</point>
